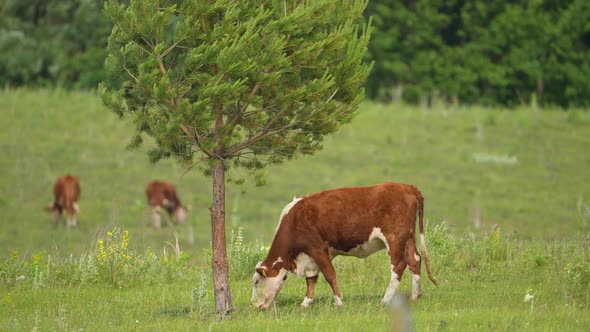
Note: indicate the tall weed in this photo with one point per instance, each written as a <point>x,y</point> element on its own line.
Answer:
<point>12,269</point>
<point>118,264</point>
<point>243,257</point>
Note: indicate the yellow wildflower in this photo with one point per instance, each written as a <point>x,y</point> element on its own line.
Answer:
<point>102,255</point>
<point>125,240</point>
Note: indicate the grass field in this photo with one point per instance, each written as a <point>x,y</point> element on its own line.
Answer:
<point>496,283</point>
<point>526,171</point>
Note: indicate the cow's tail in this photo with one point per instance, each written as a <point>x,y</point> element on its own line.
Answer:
<point>423,251</point>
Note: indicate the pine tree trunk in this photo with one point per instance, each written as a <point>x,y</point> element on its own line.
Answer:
<point>219,262</point>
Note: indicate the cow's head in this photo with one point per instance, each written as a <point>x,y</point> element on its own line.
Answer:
<point>180,215</point>
<point>267,282</point>
<point>55,210</point>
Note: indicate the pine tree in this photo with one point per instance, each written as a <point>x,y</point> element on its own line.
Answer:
<point>237,84</point>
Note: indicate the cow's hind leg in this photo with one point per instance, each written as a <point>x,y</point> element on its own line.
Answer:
<point>324,262</point>
<point>311,281</point>
<point>396,252</point>
<point>413,260</point>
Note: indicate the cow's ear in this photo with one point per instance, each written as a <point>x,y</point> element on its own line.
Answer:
<point>261,271</point>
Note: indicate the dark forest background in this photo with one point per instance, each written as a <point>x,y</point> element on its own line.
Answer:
<point>456,51</point>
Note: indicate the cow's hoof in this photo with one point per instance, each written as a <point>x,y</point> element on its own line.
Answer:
<point>338,301</point>
<point>306,302</point>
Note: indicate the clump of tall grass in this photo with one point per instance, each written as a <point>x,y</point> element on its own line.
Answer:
<point>12,269</point>
<point>199,295</point>
<point>441,245</point>
<point>173,264</point>
<point>577,281</point>
<point>111,261</point>
<point>117,263</point>
<point>244,256</point>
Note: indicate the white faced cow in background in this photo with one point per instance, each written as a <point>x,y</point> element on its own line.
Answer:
<point>162,195</point>
<point>66,192</point>
<point>355,221</point>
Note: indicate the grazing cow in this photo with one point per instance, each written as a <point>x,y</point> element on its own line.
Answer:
<point>162,194</point>
<point>355,221</point>
<point>66,192</point>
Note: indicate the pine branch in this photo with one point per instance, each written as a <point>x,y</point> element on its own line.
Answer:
<point>240,113</point>
<point>129,73</point>
<point>197,139</point>
<point>131,40</point>
<point>267,130</point>
<point>169,49</point>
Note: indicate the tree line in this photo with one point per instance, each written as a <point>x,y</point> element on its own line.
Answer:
<point>504,52</point>
<point>458,51</point>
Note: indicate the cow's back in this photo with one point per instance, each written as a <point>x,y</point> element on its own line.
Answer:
<point>154,193</point>
<point>66,190</point>
<point>346,217</point>
<point>158,192</point>
<point>72,187</point>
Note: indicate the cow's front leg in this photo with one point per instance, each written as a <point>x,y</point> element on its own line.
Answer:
<point>325,264</point>
<point>72,221</point>
<point>156,217</point>
<point>56,217</point>
<point>311,281</point>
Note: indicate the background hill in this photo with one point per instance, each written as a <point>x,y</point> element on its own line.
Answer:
<point>525,170</point>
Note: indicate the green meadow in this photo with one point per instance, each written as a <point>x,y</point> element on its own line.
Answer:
<point>507,204</point>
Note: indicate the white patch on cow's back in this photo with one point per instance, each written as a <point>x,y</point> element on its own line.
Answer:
<point>306,266</point>
<point>375,242</point>
<point>286,210</point>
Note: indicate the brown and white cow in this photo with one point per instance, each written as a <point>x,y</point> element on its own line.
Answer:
<point>355,221</point>
<point>66,192</point>
<point>162,195</point>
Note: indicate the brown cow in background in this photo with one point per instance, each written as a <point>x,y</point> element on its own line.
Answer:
<point>66,192</point>
<point>162,194</point>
